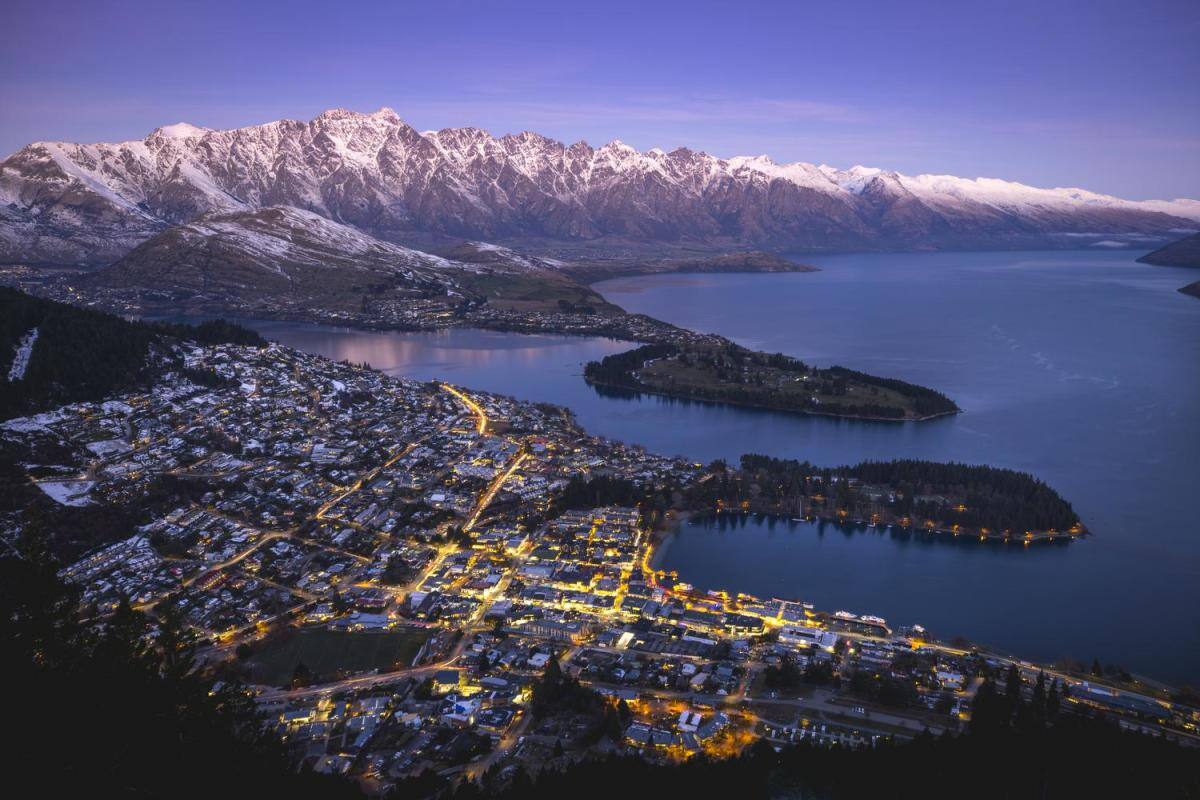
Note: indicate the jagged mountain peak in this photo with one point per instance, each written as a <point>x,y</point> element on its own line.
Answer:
<point>179,130</point>
<point>64,202</point>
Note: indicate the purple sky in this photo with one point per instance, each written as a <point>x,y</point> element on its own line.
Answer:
<point>1098,94</point>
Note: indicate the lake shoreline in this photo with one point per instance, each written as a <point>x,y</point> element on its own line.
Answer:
<point>963,534</point>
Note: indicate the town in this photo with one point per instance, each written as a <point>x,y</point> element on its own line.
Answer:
<point>394,569</point>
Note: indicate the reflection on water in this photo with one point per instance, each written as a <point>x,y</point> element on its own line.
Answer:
<point>453,349</point>
<point>513,364</point>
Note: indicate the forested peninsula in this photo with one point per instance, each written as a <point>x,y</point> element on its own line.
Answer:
<point>724,372</point>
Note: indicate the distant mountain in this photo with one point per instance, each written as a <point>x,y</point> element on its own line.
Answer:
<point>92,204</point>
<point>291,261</point>
<point>1192,289</point>
<point>1183,253</point>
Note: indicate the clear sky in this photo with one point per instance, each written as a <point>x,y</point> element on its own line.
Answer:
<point>1103,95</point>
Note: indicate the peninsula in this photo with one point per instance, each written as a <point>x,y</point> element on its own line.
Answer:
<point>1182,253</point>
<point>724,372</point>
<point>966,500</point>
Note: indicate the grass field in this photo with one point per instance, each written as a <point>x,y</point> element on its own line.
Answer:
<point>534,292</point>
<point>327,653</point>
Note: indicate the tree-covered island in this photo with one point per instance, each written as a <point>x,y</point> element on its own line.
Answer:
<point>724,372</point>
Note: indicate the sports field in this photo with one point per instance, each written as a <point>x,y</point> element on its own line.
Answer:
<point>328,653</point>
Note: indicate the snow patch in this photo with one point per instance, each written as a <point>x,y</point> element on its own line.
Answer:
<point>21,360</point>
<point>180,130</point>
<point>108,447</point>
<point>37,422</point>
<point>68,493</point>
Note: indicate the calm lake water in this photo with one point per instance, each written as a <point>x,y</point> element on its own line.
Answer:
<point>1082,368</point>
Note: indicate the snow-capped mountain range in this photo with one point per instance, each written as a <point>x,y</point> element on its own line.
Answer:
<point>93,203</point>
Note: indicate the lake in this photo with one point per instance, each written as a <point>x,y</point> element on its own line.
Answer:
<point>1080,367</point>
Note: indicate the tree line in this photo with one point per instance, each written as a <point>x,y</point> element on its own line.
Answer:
<point>970,495</point>
<point>618,369</point>
<point>746,377</point>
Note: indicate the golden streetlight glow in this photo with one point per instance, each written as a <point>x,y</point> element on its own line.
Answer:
<point>472,405</point>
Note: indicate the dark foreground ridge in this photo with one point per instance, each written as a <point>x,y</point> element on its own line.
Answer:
<point>130,715</point>
<point>1021,752</point>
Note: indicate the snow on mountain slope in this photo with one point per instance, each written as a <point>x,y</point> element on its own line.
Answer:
<point>294,256</point>
<point>63,202</point>
<point>292,261</point>
<point>294,236</point>
<point>504,257</point>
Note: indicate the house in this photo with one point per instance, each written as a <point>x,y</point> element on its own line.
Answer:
<point>446,680</point>
<point>714,726</point>
<point>950,680</point>
<point>803,636</point>
<point>461,711</point>
<point>573,632</point>
<point>638,734</point>
<point>494,720</point>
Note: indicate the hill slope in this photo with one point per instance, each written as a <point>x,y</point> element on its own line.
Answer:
<point>288,261</point>
<point>1183,253</point>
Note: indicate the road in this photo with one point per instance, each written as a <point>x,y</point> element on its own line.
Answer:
<point>472,405</point>
<point>495,487</point>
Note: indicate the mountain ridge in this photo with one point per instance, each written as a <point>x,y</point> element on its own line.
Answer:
<point>92,203</point>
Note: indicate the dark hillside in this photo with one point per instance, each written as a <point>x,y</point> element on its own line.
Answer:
<point>84,355</point>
